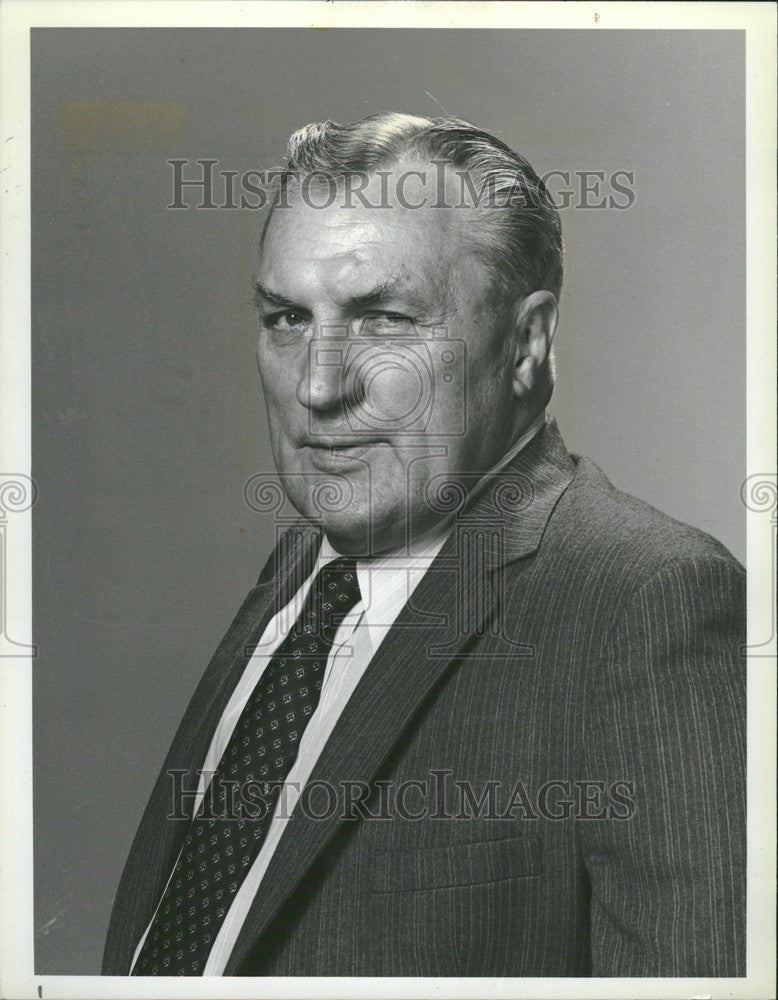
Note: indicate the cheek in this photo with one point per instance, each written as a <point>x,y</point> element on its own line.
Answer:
<point>279,390</point>
<point>394,395</point>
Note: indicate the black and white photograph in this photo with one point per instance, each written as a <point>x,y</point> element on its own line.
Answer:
<point>388,508</point>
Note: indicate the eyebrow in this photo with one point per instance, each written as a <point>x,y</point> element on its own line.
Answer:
<point>260,292</point>
<point>358,302</point>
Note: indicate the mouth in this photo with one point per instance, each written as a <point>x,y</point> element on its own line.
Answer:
<point>340,453</point>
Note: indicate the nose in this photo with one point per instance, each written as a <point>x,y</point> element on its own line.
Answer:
<point>323,386</point>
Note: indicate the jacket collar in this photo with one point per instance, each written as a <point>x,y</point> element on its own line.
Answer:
<point>518,500</point>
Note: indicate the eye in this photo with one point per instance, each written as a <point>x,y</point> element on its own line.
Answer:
<point>387,324</point>
<point>287,327</point>
<point>286,320</point>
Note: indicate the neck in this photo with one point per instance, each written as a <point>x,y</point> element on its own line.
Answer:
<point>392,541</point>
<point>428,524</point>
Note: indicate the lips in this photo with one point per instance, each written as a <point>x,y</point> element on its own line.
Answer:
<point>339,454</point>
<point>327,443</point>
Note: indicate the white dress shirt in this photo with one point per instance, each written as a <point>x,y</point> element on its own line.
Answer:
<point>386,584</point>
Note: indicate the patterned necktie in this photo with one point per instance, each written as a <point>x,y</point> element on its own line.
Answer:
<point>221,844</point>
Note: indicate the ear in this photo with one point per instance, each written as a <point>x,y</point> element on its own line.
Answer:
<point>533,333</point>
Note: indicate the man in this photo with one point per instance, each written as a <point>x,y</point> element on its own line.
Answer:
<point>482,714</point>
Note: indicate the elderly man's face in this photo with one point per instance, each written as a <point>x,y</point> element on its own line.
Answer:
<point>382,358</point>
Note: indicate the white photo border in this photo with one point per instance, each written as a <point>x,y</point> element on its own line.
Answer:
<point>17,17</point>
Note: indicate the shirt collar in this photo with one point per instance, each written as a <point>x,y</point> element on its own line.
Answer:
<point>386,582</point>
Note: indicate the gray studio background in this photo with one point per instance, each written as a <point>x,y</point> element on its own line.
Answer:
<point>147,414</point>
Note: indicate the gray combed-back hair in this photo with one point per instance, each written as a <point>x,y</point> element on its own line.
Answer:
<point>523,243</point>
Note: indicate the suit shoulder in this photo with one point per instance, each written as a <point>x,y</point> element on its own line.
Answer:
<point>614,528</point>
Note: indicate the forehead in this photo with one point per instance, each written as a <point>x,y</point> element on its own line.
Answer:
<point>351,247</point>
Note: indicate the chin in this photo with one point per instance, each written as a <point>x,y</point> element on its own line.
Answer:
<point>350,544</point>
<point>354,532</point>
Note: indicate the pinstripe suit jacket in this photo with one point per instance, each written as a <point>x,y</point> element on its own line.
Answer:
<point>567,688</point>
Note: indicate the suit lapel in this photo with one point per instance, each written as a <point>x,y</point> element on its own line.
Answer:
<point>159,838</point>
<point>455,602</point>
<point>396,681</point>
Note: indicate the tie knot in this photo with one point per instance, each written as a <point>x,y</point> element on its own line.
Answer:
<point>340,585</point>
<point>334,593</point>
